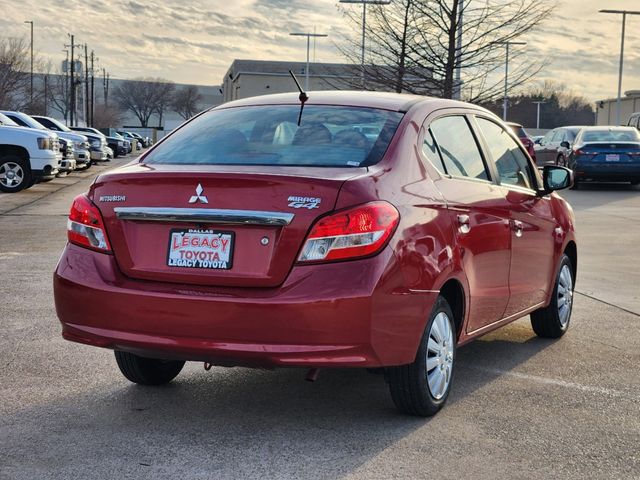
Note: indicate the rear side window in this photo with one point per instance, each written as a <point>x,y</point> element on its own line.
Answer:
<point>328,136</point>
<point>458,148</point>
<point>512,165</point>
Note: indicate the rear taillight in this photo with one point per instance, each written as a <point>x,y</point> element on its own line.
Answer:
<point>356,232</point>
<point>85,226</point>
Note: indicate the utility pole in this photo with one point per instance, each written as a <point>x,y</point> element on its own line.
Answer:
<point>308,35</point>
<point>457,88</point>
<point>105,85</point>
<point>46,93</point>
<point>538,103</point>
<point>31,23</point>
<point>506,75</point>
<point>86,86</point>
<point>364,23</point>
<point>624,14</point>
<point>66,86</point>
<point>72,85</point>
<point>93,78</point>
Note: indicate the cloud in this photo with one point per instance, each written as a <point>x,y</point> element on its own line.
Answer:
<point>196,41</point>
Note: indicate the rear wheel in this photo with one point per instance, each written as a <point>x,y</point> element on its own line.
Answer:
<point>422,387</point>
<point>553,320</point>
<point>147,371</point>
<point>15,174</point>
<point>561,161</point>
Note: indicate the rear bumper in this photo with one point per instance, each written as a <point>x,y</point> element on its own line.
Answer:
<point>608,172</point>
<point>350,314</point>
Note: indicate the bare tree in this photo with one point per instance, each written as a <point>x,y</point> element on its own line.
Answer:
<point>423,45</point>
<point>14,73</point>
<point>59,93</point>
<point>163,98</point>
<point>106,116</point>
<point>185,102</point>
<point>144,97</point>
<point>390,31</point>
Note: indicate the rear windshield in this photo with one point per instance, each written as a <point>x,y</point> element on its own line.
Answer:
<point>611,135</point>
<point>519,131</point>
<point>328,136</point>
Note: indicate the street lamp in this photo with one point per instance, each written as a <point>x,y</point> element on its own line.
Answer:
<point>538,103</point>
<point>624,14</point>
<point>364,23</point>
<point>31,22</point>
<point>308,35</point>
<point>506,75</point>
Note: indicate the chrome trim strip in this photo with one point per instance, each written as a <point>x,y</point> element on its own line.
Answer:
<point>199,215</point>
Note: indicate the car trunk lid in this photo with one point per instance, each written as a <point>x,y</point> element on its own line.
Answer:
<point>213,225</point>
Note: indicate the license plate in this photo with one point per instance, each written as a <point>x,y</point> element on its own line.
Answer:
<point>200,248</point>
<point>612,157</point>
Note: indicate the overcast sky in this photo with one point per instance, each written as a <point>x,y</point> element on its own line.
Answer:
<point>196,41</point>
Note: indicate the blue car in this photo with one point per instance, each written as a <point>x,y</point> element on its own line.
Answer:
<point>606,154</point>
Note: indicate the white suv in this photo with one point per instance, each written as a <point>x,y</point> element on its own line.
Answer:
<point>26,156</point>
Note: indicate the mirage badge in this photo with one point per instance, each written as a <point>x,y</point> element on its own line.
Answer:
<point>304,202</point>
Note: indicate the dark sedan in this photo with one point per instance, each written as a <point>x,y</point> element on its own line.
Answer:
<point>609,154</point>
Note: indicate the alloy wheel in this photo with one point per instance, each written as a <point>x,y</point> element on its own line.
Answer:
<point>11,175</point>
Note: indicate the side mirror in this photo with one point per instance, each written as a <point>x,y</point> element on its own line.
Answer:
<point>556,178</point>
<point>565,144</point>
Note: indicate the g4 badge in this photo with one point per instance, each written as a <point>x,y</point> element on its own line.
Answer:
<point>304,202</point>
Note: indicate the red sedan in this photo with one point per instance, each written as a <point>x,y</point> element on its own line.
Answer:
<point>266,232</point>
<point>524,137</point>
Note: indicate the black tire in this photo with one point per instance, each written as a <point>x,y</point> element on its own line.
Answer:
<point>549,322</point>
<point>19,170</point>
<point>147,371</point>
<point>575,185</point>
<point>561,161</point>
<point>409,384</point>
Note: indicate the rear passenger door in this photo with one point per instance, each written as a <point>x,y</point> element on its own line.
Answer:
<point>531,218</point>
<point>477,210</point>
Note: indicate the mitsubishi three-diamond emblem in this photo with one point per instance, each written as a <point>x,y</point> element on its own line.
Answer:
<point>198,197</point>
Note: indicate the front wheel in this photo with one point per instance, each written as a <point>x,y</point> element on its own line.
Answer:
<point>422,387</point>
<point>553,320</point>
<point>15,174</point>
<point>147,371</point>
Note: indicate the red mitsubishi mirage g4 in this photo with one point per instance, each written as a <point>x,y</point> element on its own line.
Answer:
<point>355,229</point>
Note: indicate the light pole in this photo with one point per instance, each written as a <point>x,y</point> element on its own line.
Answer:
<point>538,103</point>
<point>364,24</point>
<point>506,75</point>
<point>624,14</point>
<point>457,89</point>
<point>308,35</point>
<point>31,23</point>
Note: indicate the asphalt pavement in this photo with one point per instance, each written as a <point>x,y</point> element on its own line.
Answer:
<point>520,407</point>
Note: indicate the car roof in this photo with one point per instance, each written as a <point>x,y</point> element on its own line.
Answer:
<point>609,127</point>
<point>400,102</point>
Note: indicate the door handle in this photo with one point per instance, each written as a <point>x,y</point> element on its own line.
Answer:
<point>465,223</point>
<point>518,227</point>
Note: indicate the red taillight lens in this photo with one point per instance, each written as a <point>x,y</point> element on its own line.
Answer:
<point>85,226</point>
<point>352,233</point>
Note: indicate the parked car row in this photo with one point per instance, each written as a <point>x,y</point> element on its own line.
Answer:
<point>37,148</point>
<point>601,153</point>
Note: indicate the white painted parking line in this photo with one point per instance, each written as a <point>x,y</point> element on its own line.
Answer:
<point>553,381</point>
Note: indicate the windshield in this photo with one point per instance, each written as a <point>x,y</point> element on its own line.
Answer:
<point>611,135</point>
<point>6,121</point>
<point>328,136</point>
<point>60,125</point>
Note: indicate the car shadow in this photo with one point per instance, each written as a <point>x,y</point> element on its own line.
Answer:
<point>242,420</point>
<point>595,194</point>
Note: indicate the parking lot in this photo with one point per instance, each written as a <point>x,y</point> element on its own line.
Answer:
<point>521,407</point>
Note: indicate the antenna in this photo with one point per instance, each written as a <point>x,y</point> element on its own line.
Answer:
<point>303,97</point>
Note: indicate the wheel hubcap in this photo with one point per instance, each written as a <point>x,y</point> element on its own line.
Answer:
<point>11,174</point>
<point>440,356</point>
<point>565,295</point>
